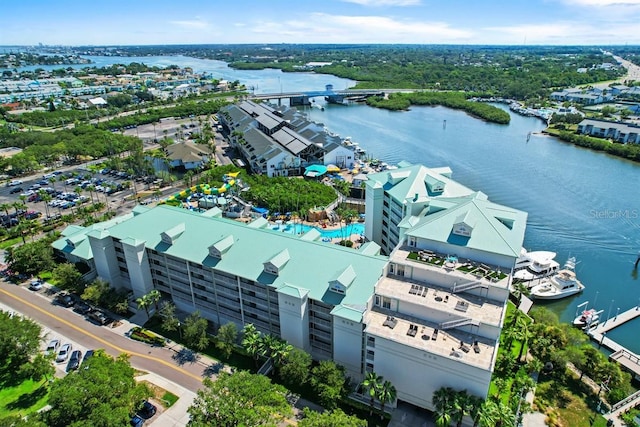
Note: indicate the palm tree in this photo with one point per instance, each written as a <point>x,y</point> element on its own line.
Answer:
<point>5,207</point>
<point>154,297</point>
<point>251,341</point>
<point>386,394</point>
<point>280,352</point>
<point>497,414</point>
<point>17,206</point>
<point>443,399</point>
<point>475,409</point>
<point>371,383</point>
<point>46,198</point>
<point>522,333</point>
<point>462,406</point>
<point>144,302</point>
<point>520,289</point>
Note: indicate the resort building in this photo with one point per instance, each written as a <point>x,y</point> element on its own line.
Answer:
<point>280,141</point>
<point>426,316</point>
<point>625,133</point>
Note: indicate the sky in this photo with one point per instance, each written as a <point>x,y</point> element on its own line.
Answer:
<point>148,22</point>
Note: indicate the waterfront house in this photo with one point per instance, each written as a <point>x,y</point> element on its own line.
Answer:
<point>625,133</point>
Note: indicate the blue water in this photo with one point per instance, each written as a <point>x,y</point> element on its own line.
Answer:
<point>344,232</point>
<point>580,203</point>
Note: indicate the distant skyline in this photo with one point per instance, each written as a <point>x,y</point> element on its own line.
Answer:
<point>146,22</point>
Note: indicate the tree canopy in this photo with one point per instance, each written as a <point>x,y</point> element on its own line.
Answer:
<point>104,394</point>
<point>239,399</point>
<point>336,418</point>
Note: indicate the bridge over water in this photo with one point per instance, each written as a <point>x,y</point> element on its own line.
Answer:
<point>332,96</point>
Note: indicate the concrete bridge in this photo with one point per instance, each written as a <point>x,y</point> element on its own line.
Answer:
<point>332,96</point>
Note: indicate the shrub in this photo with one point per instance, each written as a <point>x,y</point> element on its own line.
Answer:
<point>142,335</point>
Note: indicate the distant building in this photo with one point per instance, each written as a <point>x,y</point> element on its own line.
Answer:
<point>625,133</point>
<point>280,141</point>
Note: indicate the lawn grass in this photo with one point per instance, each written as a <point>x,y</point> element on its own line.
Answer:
<point>24,398</point>
<point>169,399</point>
<point>567,401</point>
<point>10,242</point>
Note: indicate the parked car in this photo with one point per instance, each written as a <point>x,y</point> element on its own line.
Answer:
<point>147,410</point>
<point>98,317</point>
<point>74,361</point>
<point>65,300</point>
<point>15,190</point>
<point>15,183</point>
<point>136,421</point>
<point>82,307</point>
<point>32,214</point>
<point>36,285</point>
<point>64,352</point>
<point>52,347</point>
<point>87,356</point>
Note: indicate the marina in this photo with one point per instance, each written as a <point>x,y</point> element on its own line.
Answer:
<point>626,358</point>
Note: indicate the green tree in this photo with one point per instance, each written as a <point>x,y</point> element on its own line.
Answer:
<point>279,352</point>
<point>252,342</point>
<point>328,382</point>
<point>154,297</point>
<point>443,401</point>
<point>96,292</point>
<point>371,384</point>
<point>295,369</point>
<point>226,338</point>
<point>105,394</point>
<point>19,343</point>
<point>240,399</point>
<point>195,331</point>
<point>335,418</point>
<point>68,277</point>
<point>144,302</point>
<point>31,258</point>
<point>462,404</point>
<point>170,321</point>
<point>386,394</point>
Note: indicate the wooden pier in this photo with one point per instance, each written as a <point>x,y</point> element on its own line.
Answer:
<point>624,357</point>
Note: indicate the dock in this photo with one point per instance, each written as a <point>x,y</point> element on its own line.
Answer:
<point>624,357</point>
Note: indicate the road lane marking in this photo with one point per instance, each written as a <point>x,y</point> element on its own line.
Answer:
<point>101,340</point>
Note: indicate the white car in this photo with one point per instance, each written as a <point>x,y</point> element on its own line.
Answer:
<point>52,347</point>
<point>15,183</point>
<point>36,285</point>
<point>64,353</point>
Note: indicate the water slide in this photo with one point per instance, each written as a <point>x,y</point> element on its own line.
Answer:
<point>178,198</point>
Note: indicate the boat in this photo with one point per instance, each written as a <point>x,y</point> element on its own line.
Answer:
<point>587,318</point>
<point>534,265</point>
<point>561,285</point>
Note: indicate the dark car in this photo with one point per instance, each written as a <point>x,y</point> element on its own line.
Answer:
<point>136,421</point>
<point>82,307</point>
<point>74,360</point>
<point>65,300</point>
<point>87,356</point>
<point>98,317</point>
<point>147,410</point>
<point>15,190</point>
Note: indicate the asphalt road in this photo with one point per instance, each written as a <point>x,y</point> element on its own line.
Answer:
<point>65,322</point>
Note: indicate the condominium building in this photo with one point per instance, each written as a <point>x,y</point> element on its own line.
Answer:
<point>426,316</point>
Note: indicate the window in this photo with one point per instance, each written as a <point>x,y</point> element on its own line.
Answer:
<point>386,303</point>
<point>371,341</point>
<point>370,355</point>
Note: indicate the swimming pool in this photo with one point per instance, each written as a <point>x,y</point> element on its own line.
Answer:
<point>346,231</point>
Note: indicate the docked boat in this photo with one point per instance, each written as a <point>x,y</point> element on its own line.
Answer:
<point>534,265</point>
<point>561,285</point>
<point>587,318</point>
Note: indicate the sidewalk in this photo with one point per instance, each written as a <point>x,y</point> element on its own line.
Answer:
<point>177,414</point>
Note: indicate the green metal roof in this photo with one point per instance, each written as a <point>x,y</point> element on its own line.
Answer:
<point>495,228</point>
<point>312,265</point>
<point>410,181</point>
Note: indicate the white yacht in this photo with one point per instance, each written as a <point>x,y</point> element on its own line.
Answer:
<point>534,265</point>
<point>562,284</point>
<point>587,318</point>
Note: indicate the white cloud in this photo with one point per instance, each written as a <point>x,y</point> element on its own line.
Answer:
<point>191,24</point>
<point>326,28</point>
<point>385,2</point>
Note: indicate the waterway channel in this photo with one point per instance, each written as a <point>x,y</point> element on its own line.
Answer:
<point>581,203</point>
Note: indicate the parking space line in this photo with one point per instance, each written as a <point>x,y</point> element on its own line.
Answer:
<point>101,340</point>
